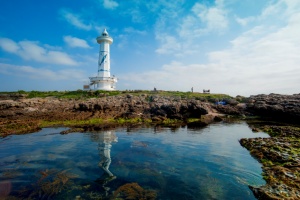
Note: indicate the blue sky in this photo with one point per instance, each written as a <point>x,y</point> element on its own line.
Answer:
<point>228,46</point>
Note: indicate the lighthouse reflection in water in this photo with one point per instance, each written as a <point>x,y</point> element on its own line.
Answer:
<point>182,163</point>
<point>106,139</point>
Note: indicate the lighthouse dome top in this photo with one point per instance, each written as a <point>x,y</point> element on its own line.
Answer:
<point>105,33</point>
<point>104,37</point>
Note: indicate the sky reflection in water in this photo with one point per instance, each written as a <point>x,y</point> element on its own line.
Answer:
<point>206,163</point>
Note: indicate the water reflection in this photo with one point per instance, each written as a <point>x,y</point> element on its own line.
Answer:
<point>215,166</point>
<point>105,141</point>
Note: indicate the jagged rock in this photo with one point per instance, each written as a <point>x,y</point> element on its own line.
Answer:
<point>13,96</point>
<point>276,106</point>
<point>230,110</point>
<point>6,104</point>
<point>231,102</point>
<point>155,107</point>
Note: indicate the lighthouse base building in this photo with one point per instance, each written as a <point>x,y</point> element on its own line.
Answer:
<point>103,80</point>
<point>103,83</point>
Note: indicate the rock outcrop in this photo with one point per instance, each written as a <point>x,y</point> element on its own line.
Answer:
<point>107,107</point>
<point>154,108</point>
<point>276,106</point>
<point>12,96</point>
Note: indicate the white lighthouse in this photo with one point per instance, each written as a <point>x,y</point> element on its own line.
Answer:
<point>103,81</point>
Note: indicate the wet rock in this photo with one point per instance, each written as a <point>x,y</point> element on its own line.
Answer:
<point>72,130</point>
<point>282,131</point>
<point>218,119</point>
<point>134,191</point>
<point>280,156</point>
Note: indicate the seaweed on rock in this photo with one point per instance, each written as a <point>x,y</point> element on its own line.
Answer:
<point>50,183</point>
<point>133,191</point>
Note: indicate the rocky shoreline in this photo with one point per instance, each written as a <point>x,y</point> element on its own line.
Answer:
<point>154,109</point>
<point>278,154</point>
<point>281,163</point>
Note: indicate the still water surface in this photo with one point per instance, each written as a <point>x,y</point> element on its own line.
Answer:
<point>206,163</point>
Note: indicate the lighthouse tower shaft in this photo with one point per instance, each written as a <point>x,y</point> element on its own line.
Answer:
<point>104,60</point>
<point>104,54</point>
<point>103,80</point>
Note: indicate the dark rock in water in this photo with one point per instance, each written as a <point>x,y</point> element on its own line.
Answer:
<point>139,144</point>
<point>5,189</point>
<point>218,119</point>
<point>196,124</point>
<point>276,106</point>
<point>204,120</point>
<point>72,130</point>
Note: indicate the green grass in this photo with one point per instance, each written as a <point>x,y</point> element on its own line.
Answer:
<point>195,95</point>
<point>79,94</point>
<point>191,120</point>
<point>120,121</point>
<point>65,94</point>
<point>94,121</point>
<point>171,121</point>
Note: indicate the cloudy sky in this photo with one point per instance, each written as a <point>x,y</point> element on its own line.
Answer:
<point>228,46</point>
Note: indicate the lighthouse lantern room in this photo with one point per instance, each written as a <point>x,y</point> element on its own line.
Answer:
<point>103,80</point>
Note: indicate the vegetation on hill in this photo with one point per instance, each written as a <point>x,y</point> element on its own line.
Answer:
<point>78,94</point>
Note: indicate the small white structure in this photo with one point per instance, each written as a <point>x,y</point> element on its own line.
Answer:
<point>103,81</point>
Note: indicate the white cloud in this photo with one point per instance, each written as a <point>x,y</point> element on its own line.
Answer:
<point>214,17</point>
<point>204,20</point>
<point>75,42</point>
<point>127,33</point>
<point>238,79</point>
<point>30,50</point>
<point>9,45</point>
<point>41,73</point>
<point>134,31</point>
<point>110,4</point>
<point>75,20</point>
<point>244,21</point>
<point>200,21</point>
<point>277,11</point>
<point>263,59</point>
<point>169,44</point>
<point>123,41</point>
